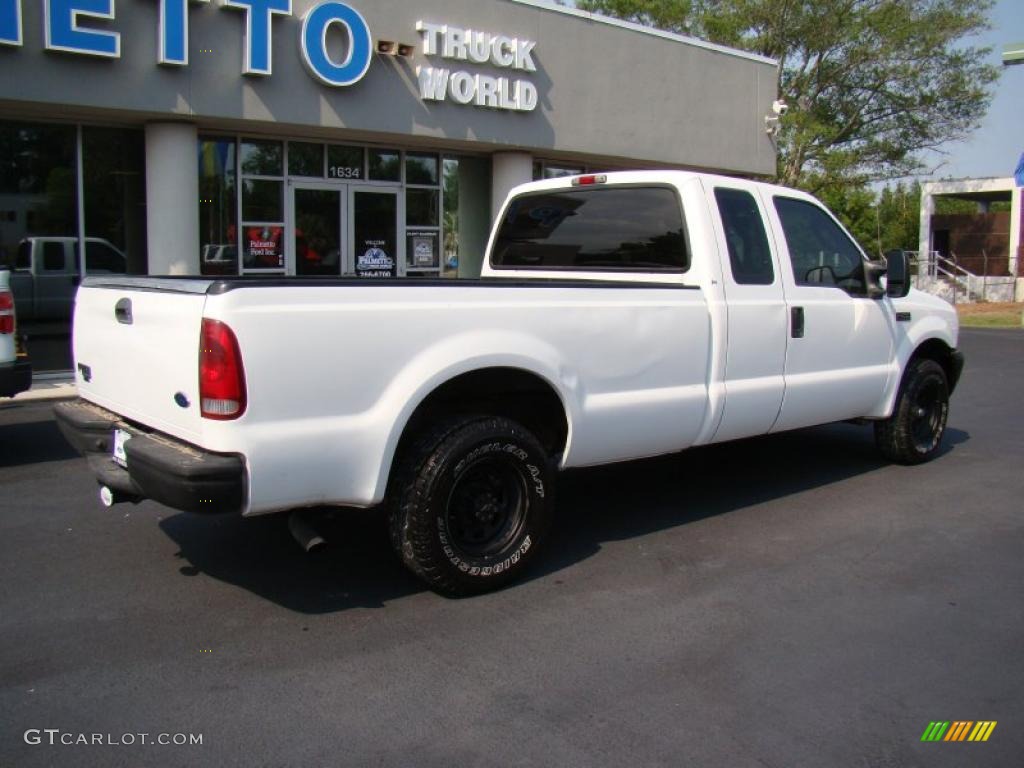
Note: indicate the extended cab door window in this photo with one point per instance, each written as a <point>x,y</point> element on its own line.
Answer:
<point>820,252</point>
<point>750,258</point>
<point>637,229</point>
<point>756,309</point>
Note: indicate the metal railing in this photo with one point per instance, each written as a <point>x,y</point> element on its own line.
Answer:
<point>939,274</point>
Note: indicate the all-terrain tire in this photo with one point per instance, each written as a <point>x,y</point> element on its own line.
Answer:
<point>470,502</point>
<point>913,434</point>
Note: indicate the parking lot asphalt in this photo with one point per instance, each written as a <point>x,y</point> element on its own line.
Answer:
<point>785,601</point>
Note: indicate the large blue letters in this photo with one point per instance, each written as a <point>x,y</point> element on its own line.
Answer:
<point>258,14</point>
<point>173,38</point>
<point>64,34</point>
<point>314,43</point>
<point>10,22</point>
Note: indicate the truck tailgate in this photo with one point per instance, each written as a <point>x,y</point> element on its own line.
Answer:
<point>136,350</point>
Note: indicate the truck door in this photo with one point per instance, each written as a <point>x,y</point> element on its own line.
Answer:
<point>840,340</point>
<point>56,277</point>
<point>756,306</point>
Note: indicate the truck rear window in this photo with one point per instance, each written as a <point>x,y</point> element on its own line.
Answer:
<point>638,229</point>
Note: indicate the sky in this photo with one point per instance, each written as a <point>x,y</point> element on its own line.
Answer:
<point>993,150</point>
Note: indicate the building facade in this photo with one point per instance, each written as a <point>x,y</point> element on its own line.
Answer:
<point>319,137</point>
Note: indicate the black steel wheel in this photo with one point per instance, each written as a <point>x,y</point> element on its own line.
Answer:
<point>913,434</point>
<point>470,503</point>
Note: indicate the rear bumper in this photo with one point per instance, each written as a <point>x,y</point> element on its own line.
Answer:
<point>159,467</point>
<point>15,377</point>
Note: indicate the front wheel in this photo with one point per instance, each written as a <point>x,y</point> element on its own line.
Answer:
<point>471,501</point>
<point>914,432</point>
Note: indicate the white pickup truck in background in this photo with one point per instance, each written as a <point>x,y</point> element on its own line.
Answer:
<point>618,316</point>
<point>15,368</point>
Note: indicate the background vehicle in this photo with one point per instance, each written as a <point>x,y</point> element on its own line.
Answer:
<point>15,369</point>
<point>46,273</point>
<point>618,317</point>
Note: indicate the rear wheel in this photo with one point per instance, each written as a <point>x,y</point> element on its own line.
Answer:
<point>914,432</point>
<point>470,503</point>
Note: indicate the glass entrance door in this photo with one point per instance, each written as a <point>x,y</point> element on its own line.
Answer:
<point>341,229</point>
<point>315,241</point>
<point>376,249</point>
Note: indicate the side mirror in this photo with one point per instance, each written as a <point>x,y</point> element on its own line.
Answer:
<point>898,271</point>
<point>873,271</point>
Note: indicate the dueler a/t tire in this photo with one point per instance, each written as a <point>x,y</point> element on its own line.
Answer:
<point>470,503</point>
<point>913,433</point>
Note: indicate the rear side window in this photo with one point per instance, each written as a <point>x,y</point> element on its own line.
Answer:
<point>749,255</point>
<point>100,257</point>
<point>819,250</point>
<point>53,257</point>
<point>636,229</point>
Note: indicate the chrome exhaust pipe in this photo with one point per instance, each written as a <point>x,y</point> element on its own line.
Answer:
<point>304,533</point>
<point>109,497</point>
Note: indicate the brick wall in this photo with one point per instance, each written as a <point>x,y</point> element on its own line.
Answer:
<point>972,235</point>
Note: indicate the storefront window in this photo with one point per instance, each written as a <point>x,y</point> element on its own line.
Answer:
<point>344,162</point>
<point>450,228</point>
<point>261,200</point>
<point>385,165</point>
<point>421,207</point>
<point>218,207</point>
<point>262,158</point>
<point>262,239</point>
<point>420,169</point>
<point>561,171</point>
<point>467,213</point>
<point>37,184</point>
<point>39,231</point>
<point>114,192</point>
<point>305,159</point>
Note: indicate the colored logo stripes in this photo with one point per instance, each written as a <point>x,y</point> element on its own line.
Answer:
<point>958,730</point>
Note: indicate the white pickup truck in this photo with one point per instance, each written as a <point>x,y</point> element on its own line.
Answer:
<point>618,316</point>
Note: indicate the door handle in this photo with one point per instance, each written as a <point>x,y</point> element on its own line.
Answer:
<point>796,326</point>
<point>123,311</point>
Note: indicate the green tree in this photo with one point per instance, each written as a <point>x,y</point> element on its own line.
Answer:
<point>871,84</point>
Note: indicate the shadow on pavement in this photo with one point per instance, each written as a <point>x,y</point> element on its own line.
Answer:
<point>33,442</point>
<point>357,568</point>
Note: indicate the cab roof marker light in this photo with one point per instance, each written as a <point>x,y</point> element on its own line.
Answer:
<point>588,180</point>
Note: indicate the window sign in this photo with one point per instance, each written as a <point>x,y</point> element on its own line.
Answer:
<point>422,251</point>
<point>264,247</point>
<point>375,222</point>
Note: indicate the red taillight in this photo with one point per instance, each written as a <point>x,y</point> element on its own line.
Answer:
<point>586,181</point>
<point>221,377</point>
<point>6,312</point>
